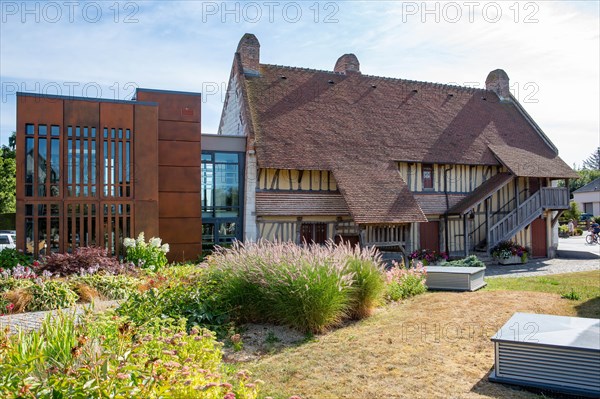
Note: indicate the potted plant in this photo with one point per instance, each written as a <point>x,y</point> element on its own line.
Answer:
<point>510,253</point>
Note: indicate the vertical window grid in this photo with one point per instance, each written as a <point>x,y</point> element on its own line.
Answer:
<point>42,228</point>
<point>82,161</point>
<point>117,157</point>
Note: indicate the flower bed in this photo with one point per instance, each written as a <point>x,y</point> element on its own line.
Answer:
<point>427,256</point>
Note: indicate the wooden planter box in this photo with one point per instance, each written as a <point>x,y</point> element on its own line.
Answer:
<point>513,260</point>
<point>454,278</point>
<point>556,353</point>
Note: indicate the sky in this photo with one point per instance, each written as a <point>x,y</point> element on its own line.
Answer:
<point>549,49</point>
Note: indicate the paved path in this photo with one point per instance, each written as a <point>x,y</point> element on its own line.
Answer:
<point>574,255</point>
<point>33,320</point>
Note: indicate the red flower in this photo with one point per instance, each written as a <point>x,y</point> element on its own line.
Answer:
<point>10,307</point>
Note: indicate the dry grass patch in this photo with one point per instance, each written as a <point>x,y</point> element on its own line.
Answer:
<point>435,345</point>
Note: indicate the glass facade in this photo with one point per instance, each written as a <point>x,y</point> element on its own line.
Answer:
<point>92,213</point>
<point>222,197</point>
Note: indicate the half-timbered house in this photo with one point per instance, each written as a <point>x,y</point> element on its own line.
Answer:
<point>388,162</point>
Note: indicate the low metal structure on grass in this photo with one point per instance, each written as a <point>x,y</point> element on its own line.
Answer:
<point>554,353</point>
<point>455,278</point>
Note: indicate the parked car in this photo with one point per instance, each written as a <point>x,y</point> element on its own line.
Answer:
<point>585,216</point>
<point>8,240</point>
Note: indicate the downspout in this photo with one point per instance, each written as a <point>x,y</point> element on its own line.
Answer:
<point>446,233</point>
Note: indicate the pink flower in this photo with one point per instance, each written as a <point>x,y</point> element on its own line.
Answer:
<point>10,307</point>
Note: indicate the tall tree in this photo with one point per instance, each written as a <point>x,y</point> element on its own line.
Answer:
<point>593,162</point>
<point>8,173</point>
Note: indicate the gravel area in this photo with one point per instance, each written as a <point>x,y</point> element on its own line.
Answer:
<point>33,320</point>
<point>542,267</point>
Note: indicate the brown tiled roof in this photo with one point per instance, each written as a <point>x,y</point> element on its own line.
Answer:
<point>525,163</point>
<point>486,189</point>
<point>375,193</point>
<point>355,125</point>
<point>435,204</point>
<point>300,204</point>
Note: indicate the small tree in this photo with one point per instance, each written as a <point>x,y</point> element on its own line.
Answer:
<point>593,162</point>
<point>573,212</point>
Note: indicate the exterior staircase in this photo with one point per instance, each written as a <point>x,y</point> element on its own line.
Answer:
<point>532,208</point>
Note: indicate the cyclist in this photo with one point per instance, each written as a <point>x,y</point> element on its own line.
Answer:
<point>595,230</point>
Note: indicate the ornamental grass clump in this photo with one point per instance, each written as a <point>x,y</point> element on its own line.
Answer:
<point>310,287</point>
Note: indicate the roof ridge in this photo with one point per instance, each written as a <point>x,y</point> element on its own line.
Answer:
<point>436,85</point>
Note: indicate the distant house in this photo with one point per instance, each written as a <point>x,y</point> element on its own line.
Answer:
<point>391,163</point>
<point>588,197</point>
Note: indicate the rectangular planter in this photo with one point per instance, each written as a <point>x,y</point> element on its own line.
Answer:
<point>454,278</point>
<point>555,353</point>
<point>513,260</point>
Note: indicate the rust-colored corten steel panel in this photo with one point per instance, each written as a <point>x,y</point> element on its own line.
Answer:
<point>174,106</point>
<point>178,131</point>
<point>146,219</point>
<point>173,205</point>
<point>181,230</point>
<point>116,115</point>
<point>184,252</point>
<point>82,113</point>
<point>179,157</point>
<point>177,153</point>
<point>145,153</point>
<point>179,179</point>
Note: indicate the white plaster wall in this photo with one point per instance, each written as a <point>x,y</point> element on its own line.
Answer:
<point>232,122</point>
<point>594,197</point>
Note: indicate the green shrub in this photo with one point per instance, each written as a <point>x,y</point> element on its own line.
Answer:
<point>310,288</point>
<point>469,261</point>
<point>404,283</point>
<point>572,295</point>
<point>199,304</point>
<point>150,255</point>
<point>10,257</point>
<point>106,356</point>
<point>51,294</point>
<point>10,283</point>
<point>109,286</point>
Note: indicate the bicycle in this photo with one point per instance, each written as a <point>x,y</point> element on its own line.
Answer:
<point>592,239</point>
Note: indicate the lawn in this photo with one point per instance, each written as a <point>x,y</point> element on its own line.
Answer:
<point>586,285</point>
<point>435,345</point>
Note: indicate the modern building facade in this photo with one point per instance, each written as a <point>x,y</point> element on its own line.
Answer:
<point>588,197</point>
<point>92,171</point>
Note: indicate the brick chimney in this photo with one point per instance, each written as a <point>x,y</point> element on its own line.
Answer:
<point>347,63</point>
<point>249,49</point>
<point>498,82</point>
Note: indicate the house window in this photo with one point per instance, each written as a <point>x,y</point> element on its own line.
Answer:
<point>428,176</point>
<point>588,207</point>
<point>313,232</point>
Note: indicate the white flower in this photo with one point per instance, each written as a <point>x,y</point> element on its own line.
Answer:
<point>141,239</point>
<point>129,242</point>
<point>151,268</point>
<point>165,248</point>
<point>155,242</point>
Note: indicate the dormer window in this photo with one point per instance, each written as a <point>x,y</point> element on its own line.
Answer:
<point>428,177</point>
